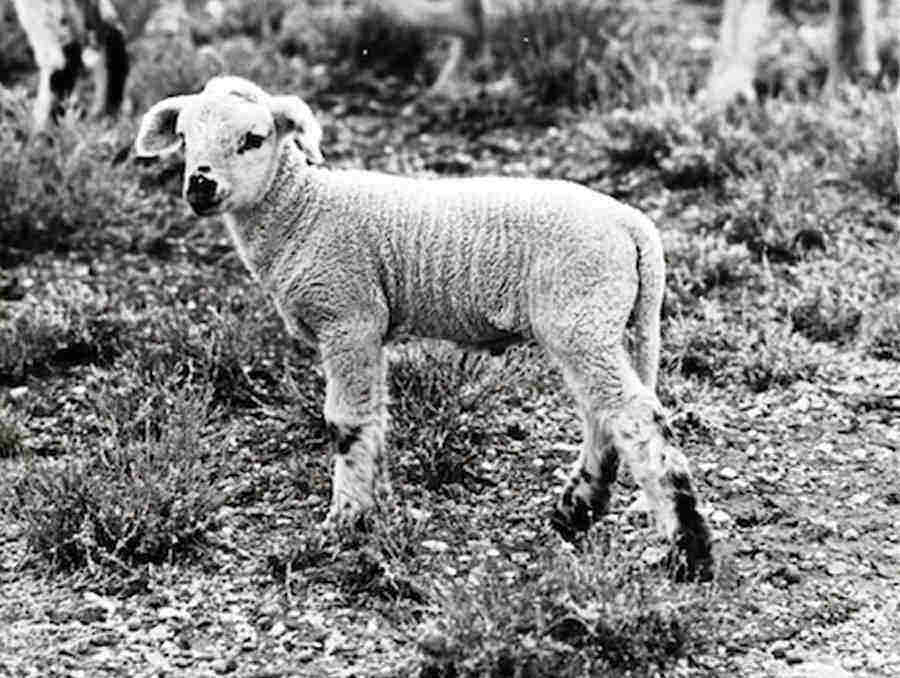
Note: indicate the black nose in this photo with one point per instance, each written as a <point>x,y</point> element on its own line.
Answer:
<point>201,192</point>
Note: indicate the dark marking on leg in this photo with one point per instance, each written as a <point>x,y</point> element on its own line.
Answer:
<point>571,518</point>
<point>602,487</point>
<point>693,559</point>
<point>115,54</point>
<point>573,514</point>
<point>662,421</point>
<point>62,82</point>
<point>344,439</point>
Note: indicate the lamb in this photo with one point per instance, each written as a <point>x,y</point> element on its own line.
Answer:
<point>353,259</point>
<point>58,31</point>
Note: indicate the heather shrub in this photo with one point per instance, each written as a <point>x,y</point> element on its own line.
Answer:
<point>565,614</point>
<point>441,413</point>
<point>144,492</point>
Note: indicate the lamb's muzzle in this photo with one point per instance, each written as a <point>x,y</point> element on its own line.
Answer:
<point>353,259</point>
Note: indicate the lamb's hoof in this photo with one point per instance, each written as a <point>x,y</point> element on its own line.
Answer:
<point>350,518</point>
<point>691,558</point>
<point>571,525</point>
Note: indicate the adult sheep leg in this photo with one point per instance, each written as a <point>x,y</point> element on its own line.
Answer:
<point>356,413</point>
<point>111,71</point>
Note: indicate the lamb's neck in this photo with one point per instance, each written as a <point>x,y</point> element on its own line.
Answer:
<point>261,231</point>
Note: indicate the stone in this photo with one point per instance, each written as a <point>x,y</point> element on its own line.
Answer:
<point>160,632</point>
<point>779,648</point>
<point>435,545</point>
<point>818,669</point>
<point>836,568</point>
<point>222,666</point>
<point>728,473</point>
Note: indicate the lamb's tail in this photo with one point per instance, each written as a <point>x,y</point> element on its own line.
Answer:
<point>645,315</point>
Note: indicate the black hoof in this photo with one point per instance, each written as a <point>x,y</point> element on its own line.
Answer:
<point>691,558</point>
<point>573,524</point>
<point>562,523</point>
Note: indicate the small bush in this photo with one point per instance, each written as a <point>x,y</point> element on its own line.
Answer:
<point>441,413</point>
<point>241,357</point>
<point>145,494</point>
<point>881,337</point>
<point>360,43</point>
<point>15,53</point>
<point>754,350</point>
<point>685,146</point>
<point>581,52</point>
<point>69,324</point>
<point>827,315</point>
<point>567,615</point>
<point>11,439</point>
<point>700,267</point>
<point>68,187</point>
<point>374,564</point>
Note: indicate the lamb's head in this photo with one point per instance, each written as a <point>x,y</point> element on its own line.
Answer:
<point>232,134</point>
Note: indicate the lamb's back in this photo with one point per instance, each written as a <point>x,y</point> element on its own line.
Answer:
<point>457,258</point>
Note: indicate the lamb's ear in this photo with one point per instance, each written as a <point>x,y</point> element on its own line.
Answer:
<point>292,115</point>
<point>156,135</point>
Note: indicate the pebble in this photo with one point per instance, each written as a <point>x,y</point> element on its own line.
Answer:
<point>719,517</point>
<point>836,568</point>
<point>224,665</point>
<point>270,610</point>
<point>435,545</point>
<point>433,642</point>
<point>794,657</point>
<point>818,669</point>
<point>168,613</point>
<point>160,632</point>
<point>893,552</point>
<point>728,473</point>
<point>852,663</point>
<point>779,648</point>
<point>654,555</point>
<point>875,660</point>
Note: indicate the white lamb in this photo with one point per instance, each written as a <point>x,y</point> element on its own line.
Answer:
<point>353,259</point>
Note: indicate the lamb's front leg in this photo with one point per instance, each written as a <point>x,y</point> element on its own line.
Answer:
<point>356,413</point>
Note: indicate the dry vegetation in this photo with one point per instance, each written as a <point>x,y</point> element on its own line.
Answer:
<point>163,459</point>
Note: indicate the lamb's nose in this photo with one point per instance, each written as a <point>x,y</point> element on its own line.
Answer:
<point>201,193</point>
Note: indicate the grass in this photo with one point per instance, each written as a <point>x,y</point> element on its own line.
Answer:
<point>146,494</point>
<point>567,614</point>
<point>156,419</point>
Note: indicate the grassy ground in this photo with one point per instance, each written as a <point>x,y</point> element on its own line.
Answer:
<point>163,460</point>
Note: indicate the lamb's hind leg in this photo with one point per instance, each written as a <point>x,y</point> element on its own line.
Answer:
<point>597,388</point>
<point>585,497</point>
<point>640,433</point>
<point>623,420</point>
<point>356,414</point>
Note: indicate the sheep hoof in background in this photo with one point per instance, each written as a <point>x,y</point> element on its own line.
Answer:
<point>353,259</point>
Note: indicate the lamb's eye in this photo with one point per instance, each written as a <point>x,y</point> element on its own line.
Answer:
<point>250,141</point>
